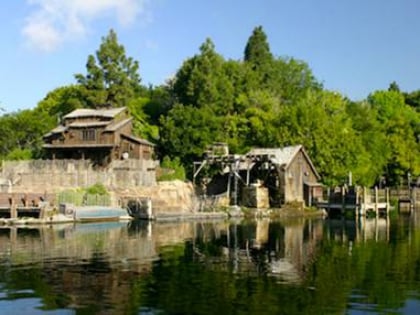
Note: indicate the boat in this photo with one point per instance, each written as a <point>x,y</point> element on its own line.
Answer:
<point>94,213</point>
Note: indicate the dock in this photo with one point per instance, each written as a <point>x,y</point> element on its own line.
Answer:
<point>15,206</point>
<point>14,212</point>
<point>360,200</point>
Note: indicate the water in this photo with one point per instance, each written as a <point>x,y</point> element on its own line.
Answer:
<point>257,267</point>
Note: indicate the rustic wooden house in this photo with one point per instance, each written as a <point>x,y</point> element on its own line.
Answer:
<point>288,173</point>
<point>262,178</point>
<point>100,135</point>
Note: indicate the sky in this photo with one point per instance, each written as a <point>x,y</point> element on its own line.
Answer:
<point>353,47</point>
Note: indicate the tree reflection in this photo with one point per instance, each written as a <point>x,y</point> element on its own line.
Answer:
<point>251,267</point>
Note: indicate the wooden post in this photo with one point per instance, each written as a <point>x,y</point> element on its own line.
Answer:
<point>343,198</point>
<point>358,202</point>
<point>13,208</point>
<point>228,184</point>
<point>364,202</point>
<point>376,202</point>
<point>387,201</point>
<point>414,197</point>
<point>247,173</point>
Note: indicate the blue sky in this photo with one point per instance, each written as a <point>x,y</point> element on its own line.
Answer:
<point>353,47</point>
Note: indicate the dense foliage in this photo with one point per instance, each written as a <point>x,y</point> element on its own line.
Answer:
<point>260,101</point>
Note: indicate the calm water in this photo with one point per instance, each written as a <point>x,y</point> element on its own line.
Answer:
<point>260,267</point>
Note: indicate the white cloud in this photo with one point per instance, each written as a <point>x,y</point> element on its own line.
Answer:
<point>56,21</point>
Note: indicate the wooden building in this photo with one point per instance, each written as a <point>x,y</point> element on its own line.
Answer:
<point>100,135</point>
<point>287,172</point>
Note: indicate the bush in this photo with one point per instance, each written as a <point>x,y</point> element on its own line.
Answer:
<point>97,189</point>
<point>19,155</point>
<point>171,169</point>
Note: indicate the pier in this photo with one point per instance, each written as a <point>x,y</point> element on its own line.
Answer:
<point>14,206</point>
<point>360,201</point>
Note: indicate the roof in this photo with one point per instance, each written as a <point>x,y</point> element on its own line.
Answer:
<point>138,140</point>
<point>87,124</point>
<point>279,156</point>
<point>87,112</point>
<point>78,145</point>
<point>58,129</point>
<point>118,125</point>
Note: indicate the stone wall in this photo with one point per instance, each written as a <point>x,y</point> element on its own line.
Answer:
<point>125,180</point>
<point>171,198</point>
<point>54,175</point>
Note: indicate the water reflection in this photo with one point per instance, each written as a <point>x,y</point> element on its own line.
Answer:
<point>377,229</point>
<point>295,267</point>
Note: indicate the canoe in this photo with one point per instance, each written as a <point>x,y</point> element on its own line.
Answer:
<point>96,213</point>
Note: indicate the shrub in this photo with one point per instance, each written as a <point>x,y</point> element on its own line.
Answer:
<point>171,169</point>
<point>97,189</point>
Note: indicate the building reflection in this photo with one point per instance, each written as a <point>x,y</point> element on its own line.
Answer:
<point>98,265</point>
<point>262,247</point>
<point>360,230</point>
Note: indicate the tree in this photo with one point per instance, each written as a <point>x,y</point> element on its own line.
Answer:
<point>112,78</point>
<point>320,122</point>
<point>399,123</point>
<point>376,149</point>
<point>21,134</point>
<point>394,87</point>
<point>257,51</point>
<point>60,102</point>
<point>186,132</point>
<point>413,99</point>
<point>202,80</point>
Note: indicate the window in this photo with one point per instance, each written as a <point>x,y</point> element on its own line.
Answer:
<point>88,135</point>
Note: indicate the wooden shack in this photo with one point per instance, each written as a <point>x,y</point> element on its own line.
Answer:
<point>287,172</point>
<point>100,135</point>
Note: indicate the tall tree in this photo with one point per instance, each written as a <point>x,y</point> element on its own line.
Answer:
<point>202,80</point>
<point>399,123</point>
<point>257,50</point>
<point>320,122</point>
<point>393,86</point>
<point>112,78</point>
<point>60,102</point>
<point>186,132</point>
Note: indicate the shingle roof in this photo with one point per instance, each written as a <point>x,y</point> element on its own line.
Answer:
<point>58,129</point>
<point>118,125</point>
<point>87,124</point>
<point>86,112</point>
<point>279,156</point>
<point>138,140</point>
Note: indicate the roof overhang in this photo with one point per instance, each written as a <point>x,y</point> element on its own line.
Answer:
<point>78,146</point>
<point>137,140</point>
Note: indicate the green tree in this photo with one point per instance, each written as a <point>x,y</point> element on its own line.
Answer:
<point>21,134</point>
<point>202,80</point>
<point>376,148</point>
<point>257,51</point>
<point>186,132</point>
<point>291,80</point>
<point>394,87</point>
<point>321,124</point>
<point>60,102</point>
<point>141,120</point>
<point>399,123</point>
<point>413,99</point>
<point>112,78</point>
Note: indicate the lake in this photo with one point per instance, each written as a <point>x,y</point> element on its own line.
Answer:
<point>223,267</point>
